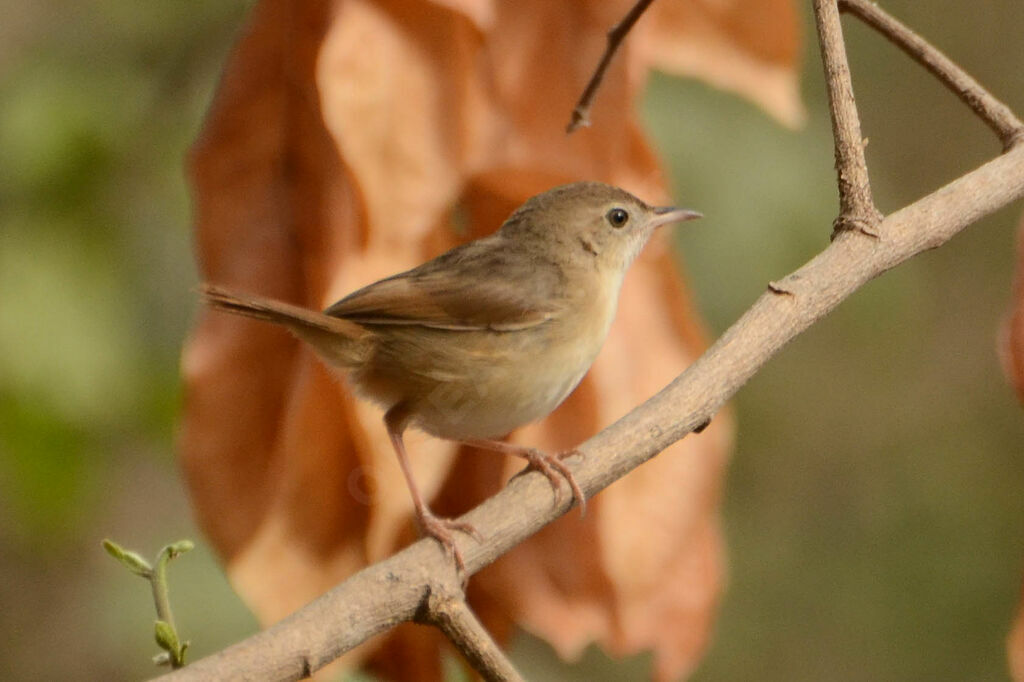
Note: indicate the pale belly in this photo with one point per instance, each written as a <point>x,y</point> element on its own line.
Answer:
<point>503,400</point>
<point>479,385</point>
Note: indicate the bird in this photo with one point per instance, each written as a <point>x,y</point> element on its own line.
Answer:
<point>487,337</point>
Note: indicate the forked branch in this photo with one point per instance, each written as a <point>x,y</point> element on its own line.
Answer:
<point>448,611</point>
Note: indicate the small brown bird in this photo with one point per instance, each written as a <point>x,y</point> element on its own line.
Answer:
<point>487,337</point>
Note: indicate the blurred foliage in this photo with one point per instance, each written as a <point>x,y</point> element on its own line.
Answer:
<point>873,504</point>
<point>98,104</point>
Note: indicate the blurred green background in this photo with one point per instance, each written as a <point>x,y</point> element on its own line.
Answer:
<point>873,510</point>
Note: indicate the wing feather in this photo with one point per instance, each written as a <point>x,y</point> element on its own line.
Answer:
<point>486,284</point>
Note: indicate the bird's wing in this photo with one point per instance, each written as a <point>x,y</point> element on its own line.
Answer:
<point>480,285</point>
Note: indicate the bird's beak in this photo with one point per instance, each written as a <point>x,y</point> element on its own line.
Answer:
<point>664,215</point>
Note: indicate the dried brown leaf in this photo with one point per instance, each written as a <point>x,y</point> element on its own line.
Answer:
<point>1012,342</point>
<point>1012,348</point>
<point>750,47</point>
<point>344,143</point>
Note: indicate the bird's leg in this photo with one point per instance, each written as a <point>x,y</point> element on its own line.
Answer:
<point>434,526</point>
<point>549,465</point>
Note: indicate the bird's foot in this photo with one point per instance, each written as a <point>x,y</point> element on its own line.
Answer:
<point>442,530</point>
<point>556,470</point>
<point>549,465</point>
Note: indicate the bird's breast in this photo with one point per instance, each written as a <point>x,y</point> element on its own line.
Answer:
<point>485,384</point>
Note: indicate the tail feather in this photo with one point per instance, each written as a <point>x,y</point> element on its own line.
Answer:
<point>338,340</point>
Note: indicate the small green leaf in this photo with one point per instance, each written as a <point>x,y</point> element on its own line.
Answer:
<point>130,560</point>
<point>166,637</point>
<point>113,549</point>
<point>179,547</point>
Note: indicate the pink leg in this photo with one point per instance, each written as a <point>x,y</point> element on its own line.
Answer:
<point>436,527</point>
<point>542,462</point>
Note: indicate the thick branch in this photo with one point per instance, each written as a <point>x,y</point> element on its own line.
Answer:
<point>397,589</point>
<point>580,117</point>
<point>999,117</point>
<point>857,209</point>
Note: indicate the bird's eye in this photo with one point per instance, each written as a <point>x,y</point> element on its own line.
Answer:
<point>617,217</point>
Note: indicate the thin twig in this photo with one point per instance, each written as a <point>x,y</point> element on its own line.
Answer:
<point>581,113</point>
<point>166,634</point>
<point>857,209</point>
<point>161,596</point>
<point>393,591</point>
<point>448,611</point>
<point>999,117</point>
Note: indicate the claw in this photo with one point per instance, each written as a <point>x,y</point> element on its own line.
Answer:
<point>441,530</point>
<point>549,465</point>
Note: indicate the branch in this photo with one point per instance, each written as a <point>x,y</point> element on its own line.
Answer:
<point>581,113</point>
<point>395,590</point>
<point>857,209</point>
<point>999,117</point>
<point>449,612</point>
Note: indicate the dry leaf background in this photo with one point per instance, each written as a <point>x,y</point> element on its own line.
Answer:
<point>351,140</point>
<point>873,505</point>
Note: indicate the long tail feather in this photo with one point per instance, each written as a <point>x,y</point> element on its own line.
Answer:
<point>336,339</point>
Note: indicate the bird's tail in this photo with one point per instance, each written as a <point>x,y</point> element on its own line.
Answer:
<point>341,342</point>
